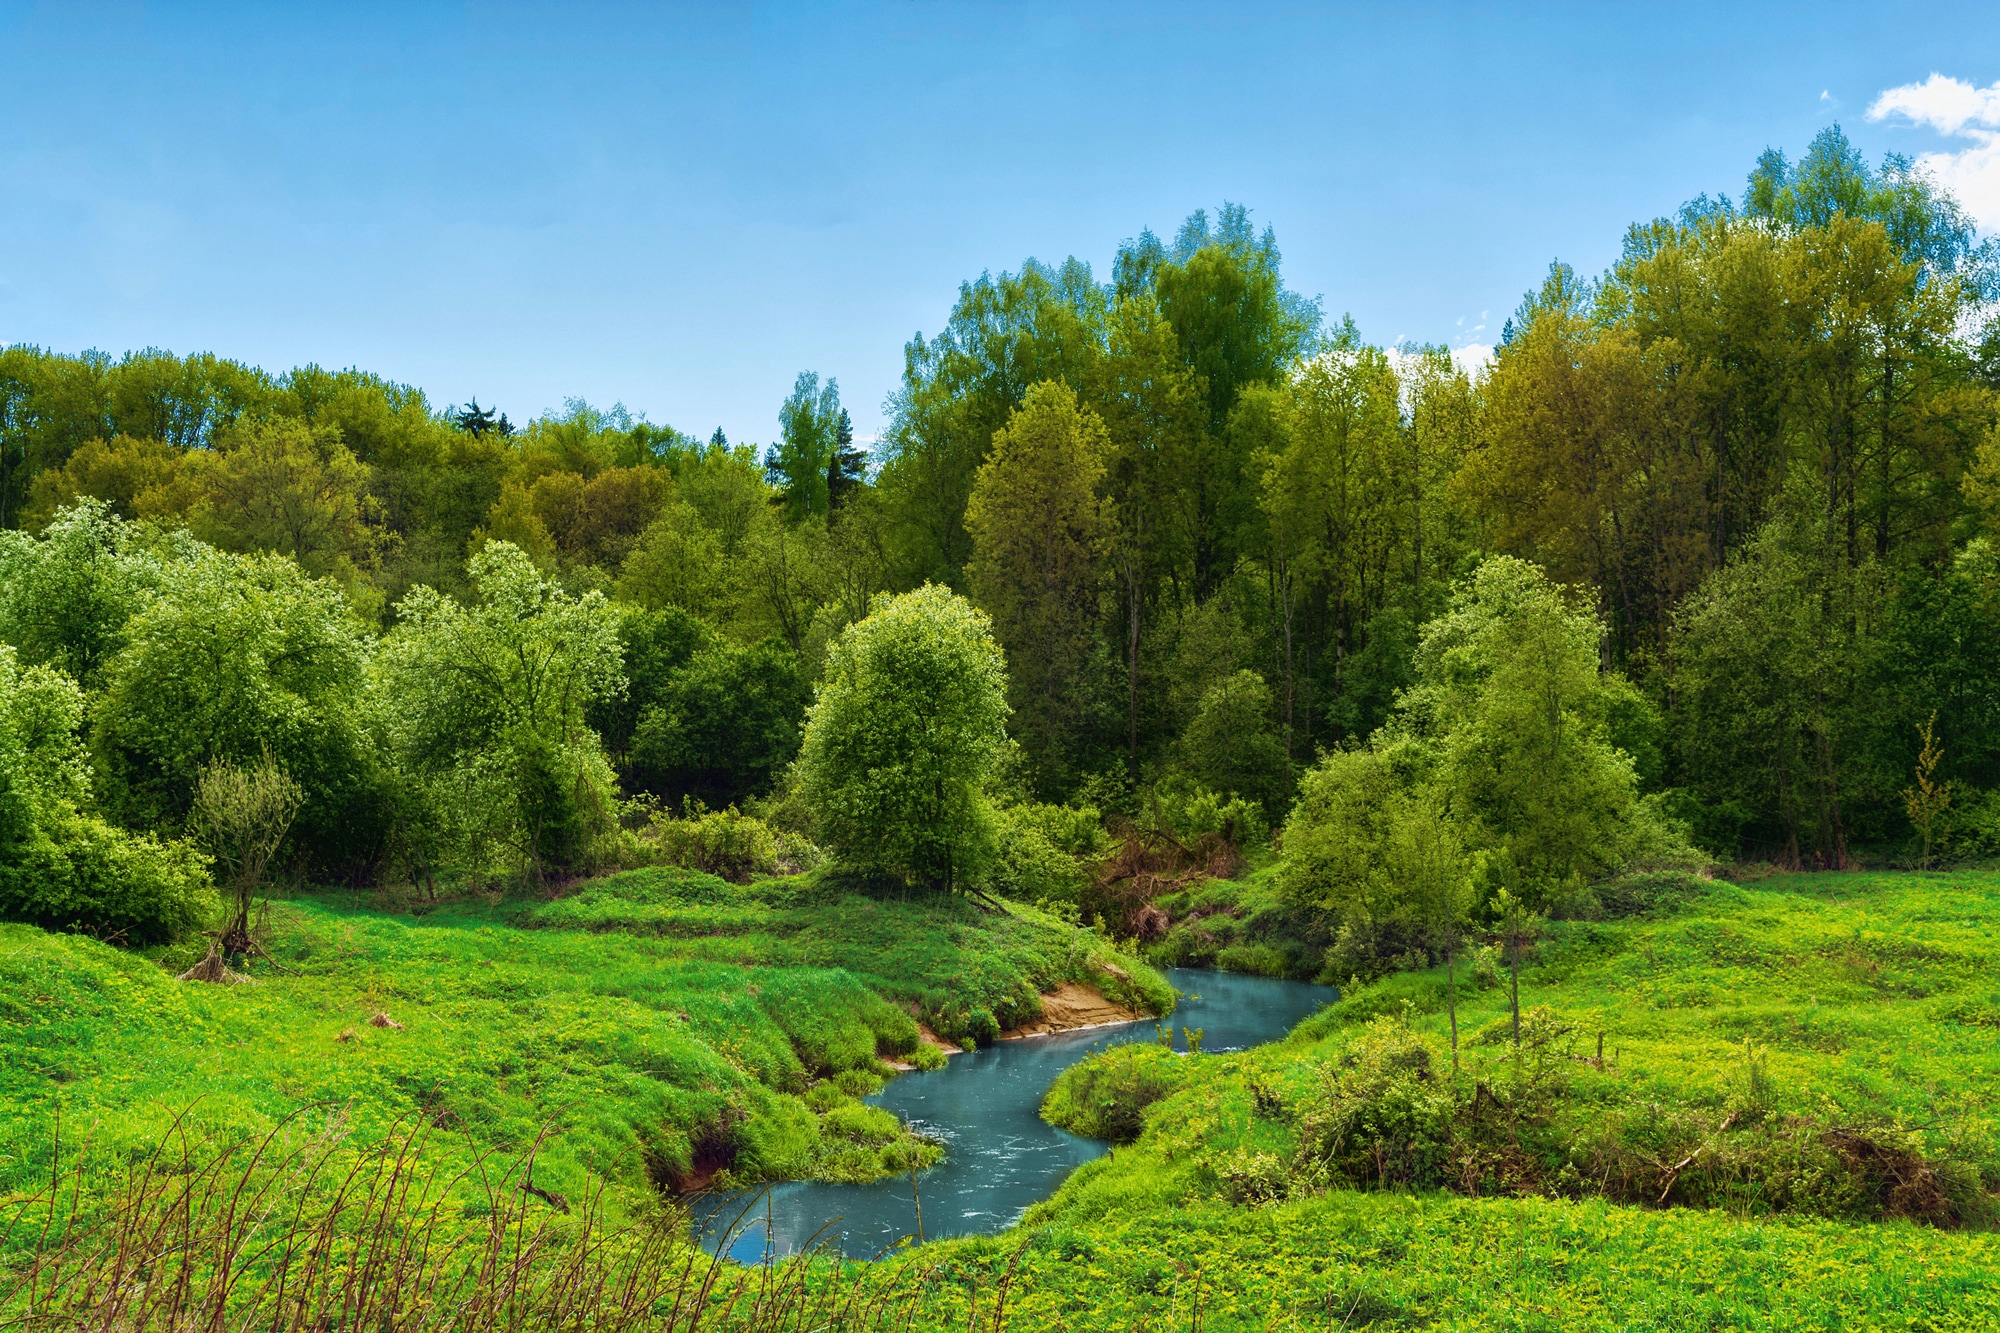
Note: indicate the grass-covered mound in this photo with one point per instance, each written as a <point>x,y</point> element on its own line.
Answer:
<point>658,1028</point>
<point>1240,924</point>
<point>970,971</point>
<point>1816,1045</point>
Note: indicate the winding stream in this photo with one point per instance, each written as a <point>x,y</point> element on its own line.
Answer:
<point>1000,1156</point>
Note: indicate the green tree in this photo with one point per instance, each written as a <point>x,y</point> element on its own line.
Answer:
<point>1775,659</point>
<point>1510,693</point>
<point>116,471</point>
<point>724,725</point>
<point>278,486</point>
<point>65,598</point>
<point>807,463</point>
<point>61,867</point>
<point>1040,531</point>
<point>1004,335</point>
<point>902,737</point>
<point>242,813</point>
<point>235,656</point>
<point>1232,745</point>
<point>677,562</point>
<point>486,705</point>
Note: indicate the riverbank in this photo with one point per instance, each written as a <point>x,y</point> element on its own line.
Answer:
<point>1793,1030</point>
<point>657,1030</point>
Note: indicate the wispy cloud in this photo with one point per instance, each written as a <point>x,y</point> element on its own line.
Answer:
<point>1957,110</point>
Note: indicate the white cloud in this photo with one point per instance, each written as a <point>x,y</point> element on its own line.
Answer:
<point>1958,110</point>
<point>1472,358</point>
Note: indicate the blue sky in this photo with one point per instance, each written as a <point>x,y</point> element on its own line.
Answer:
<point>681,207</point>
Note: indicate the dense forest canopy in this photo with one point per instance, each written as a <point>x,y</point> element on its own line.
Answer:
<point>1748,481</point>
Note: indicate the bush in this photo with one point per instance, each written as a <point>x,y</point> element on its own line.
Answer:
<point>724,725</point>
<point>1106,1096</point>
<point>720,842</point>
<point>63,869</point>
<point>75,872</point>
<point>1047,852</point>
<point>1232,745</point>
<point>1381,1114</point>
<point>235,658</point>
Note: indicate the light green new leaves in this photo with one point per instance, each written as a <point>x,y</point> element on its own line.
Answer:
<point>903,735</point>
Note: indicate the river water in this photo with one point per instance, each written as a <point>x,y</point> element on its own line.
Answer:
<point>1000,1155</point>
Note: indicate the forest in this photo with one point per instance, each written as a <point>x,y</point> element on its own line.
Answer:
<point>1170,623</point>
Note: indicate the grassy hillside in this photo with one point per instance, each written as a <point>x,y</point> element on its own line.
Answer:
<point>655,1025</point>
<point>1811,1061</point>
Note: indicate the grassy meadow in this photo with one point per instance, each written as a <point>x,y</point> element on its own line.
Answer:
<point>1789,1127</point>
<point>654,1027</point>
<point>1803,1049</point>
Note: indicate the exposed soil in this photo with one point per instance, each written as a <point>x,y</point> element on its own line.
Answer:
<point>1072,1006</point>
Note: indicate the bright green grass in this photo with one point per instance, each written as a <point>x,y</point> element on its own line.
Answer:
<point>1868,1000</point>
<point>1875,993</point>
<point>750,1023</point>
<point>1126,1257</point>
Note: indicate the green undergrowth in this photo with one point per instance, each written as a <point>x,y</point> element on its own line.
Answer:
<point>1124,1251</point>
<point>1817,1045</point>
<point>1239,925</point>
<point>732,1043</point>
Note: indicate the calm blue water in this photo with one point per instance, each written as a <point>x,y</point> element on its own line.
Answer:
<point>1000,1156</point>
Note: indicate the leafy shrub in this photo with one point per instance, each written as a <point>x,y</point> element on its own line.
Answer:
<point>1106,1096</point>
<point>1232,744</point>
<point>485,705</point>
<point>237,656</point>
<point>64,869</point>
<point>1047,853</point>
<point>75,872</point>
<point>722,842</point>
<point>1191,813</point>
<point>1257,960</point>
<point>724,725</point>
<point>1380,1114</point>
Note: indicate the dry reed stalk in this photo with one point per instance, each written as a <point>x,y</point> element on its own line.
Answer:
<point>307,1232</point>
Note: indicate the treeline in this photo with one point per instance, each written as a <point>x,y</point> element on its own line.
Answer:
<point>1209,526</point>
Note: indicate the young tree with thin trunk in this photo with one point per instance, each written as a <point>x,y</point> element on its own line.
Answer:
<point>244,812</point>
<point>1428,854</point>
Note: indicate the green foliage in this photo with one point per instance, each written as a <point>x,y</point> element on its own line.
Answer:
<point>64,868</point>
<point>242,813</point>
<point>723,726</point>
<point>1774,660</point>
<point>234,657</point>
<point>1812,1048</point>
<point>1047,853</point>
<point>1040,531</point>
<point>1232,745</point>
<point>72,871</point>
<point>486,705</point>
<point>65,598</point>
<point>721,842</point>
<point>1107,1097</point>
<point>1194,816</point>
<point>901,739</point>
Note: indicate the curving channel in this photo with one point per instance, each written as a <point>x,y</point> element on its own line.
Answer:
<point>1000,1155</point>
